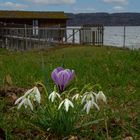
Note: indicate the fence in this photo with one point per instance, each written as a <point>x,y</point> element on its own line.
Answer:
<point>28,38</point>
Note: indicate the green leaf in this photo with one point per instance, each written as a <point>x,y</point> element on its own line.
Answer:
<point>90,123</point>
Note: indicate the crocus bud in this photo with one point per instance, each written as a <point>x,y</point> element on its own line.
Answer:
<point>62,77</point>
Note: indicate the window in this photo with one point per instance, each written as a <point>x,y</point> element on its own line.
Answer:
<point>35,27</point>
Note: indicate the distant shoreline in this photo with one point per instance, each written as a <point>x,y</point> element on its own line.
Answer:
<point>106,19</point>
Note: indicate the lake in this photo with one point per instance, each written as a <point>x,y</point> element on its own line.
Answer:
<point>114,35</point>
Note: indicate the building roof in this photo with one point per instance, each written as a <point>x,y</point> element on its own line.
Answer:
<point>32,15</point>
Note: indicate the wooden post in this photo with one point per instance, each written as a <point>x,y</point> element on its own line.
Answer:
<point>39,45</point>
<point>80,41</point>
<point>45,36</point>
<point>93,37</point>
<point>102,31</point>
<point>65,35</point>
<point>25,35</point>
<point>73,37</point>
<point>98,36</point>
<point>30,40</point>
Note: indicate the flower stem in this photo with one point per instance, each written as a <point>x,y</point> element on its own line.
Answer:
<point>45,89</point>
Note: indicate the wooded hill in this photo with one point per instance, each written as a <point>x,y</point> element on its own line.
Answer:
<point>114,19</point>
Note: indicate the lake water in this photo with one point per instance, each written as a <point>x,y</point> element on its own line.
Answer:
<point>114,36</point>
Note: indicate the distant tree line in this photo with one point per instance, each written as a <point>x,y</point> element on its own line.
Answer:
<point>114,19</point>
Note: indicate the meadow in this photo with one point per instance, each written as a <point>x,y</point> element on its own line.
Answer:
<point>115,70</point>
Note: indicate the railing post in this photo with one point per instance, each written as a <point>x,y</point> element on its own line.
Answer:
<point>65,35</point>
<point>124,31</point>
<point>25,35</point>
<point>73,37</point>
<point>80,42</point>
<point>102,31</point>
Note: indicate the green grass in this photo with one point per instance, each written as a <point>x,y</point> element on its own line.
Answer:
<point>116,70</point>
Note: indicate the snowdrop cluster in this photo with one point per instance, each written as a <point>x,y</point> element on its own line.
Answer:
<point>89,100</point>
<point>62,106</point>
<point>62,78</point>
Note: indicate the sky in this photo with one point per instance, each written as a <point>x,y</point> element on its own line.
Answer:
<point>72,6</point>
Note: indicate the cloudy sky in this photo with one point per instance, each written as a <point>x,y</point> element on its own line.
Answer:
<point>74,6</point>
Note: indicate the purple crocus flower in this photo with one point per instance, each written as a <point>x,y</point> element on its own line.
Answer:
<point>62,77</point>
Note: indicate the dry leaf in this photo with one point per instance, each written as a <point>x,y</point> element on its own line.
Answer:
<point>13,97</point>
<point>73,138</point>
<point>128,138</point>
<point>8,80</point>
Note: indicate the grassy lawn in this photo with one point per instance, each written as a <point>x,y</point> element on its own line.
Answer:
<point>116,70</point>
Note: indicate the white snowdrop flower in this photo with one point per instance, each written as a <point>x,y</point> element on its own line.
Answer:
<point>26,98</point>
<point>90,104</point>
<point>101,97</point>
<point>89,100</point>
<point>36,94</point>
<point>88,96</point>
<point>67,103</point>
<point>76,96</point>
<point>53,95</point>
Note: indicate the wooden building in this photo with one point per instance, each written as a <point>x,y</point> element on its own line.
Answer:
<point>24,28</point>
<point>21,30</point>
<point>32,19</point>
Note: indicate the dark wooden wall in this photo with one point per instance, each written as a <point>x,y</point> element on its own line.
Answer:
<point>52,23</point>
<point>29,22</point>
